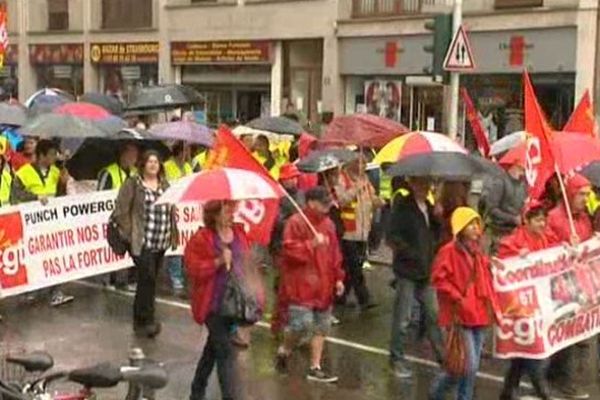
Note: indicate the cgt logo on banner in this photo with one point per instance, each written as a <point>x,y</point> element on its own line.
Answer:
<point>12,270</point>
<point>550,300</point>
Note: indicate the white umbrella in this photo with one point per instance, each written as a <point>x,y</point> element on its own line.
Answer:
<point>507,142</point>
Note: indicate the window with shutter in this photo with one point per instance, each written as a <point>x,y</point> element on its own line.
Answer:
<point>58,15</point>
<point>518,3</point>
<point>119,14</point>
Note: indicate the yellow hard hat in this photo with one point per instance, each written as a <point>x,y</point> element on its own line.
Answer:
<point>461,218</point>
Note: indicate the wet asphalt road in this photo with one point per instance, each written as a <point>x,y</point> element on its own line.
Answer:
<point>97,328</point>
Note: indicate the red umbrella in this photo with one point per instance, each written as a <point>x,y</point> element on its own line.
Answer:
<point>362,130</point>
<point>83,110</point>
<point>222,184</point>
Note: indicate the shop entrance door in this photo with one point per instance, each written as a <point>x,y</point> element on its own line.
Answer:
<point>251,104</point>
<point>425,107</point>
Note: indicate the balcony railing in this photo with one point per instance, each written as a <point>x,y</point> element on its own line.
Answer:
<point>383,8</point>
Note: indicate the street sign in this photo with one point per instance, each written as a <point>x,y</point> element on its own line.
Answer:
<point>459,56</point>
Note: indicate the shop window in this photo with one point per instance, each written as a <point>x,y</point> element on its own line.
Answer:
<point>518,3</point>
<point>58,15</point>
<point>119,14</point>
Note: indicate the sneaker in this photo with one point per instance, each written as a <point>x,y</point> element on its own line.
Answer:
<point>401,371</point>
<point>367,266</point>
<point>335,321</point>
<point>59,298</point>
<point>318,375</point>
<point>131,288</point>
<point>569,393</point>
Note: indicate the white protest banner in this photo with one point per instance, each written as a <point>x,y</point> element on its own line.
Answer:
<point>42,246</point>
<point>555,298</point>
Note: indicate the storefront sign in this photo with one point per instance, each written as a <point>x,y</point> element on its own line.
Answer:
<point>550,300</point>
<point>495,52</point>
<point>124,53</point>
<point>48,54</point>
<point>246,52</point>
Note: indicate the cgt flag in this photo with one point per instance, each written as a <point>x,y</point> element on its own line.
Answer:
<point>481,136</point>
<point>12,269</point>
<point>539,158</point>
<point>583,120</point>
<point>258,216</point>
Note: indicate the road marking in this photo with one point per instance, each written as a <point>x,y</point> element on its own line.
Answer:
<point>330,339</point>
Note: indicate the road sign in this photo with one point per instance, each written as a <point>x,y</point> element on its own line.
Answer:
<point>459,56</point>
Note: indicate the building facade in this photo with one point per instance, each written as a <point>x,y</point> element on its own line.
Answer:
<point>267,57</point>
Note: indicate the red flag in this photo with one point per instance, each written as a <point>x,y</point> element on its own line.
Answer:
<point>583,119</point>
<point>481,136</point>
<point>540,160</point>
<point>3,34</point>
<point>258,216</point>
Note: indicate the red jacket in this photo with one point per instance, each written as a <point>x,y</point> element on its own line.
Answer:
<point>463,280</point>
<point>521,239</point>
<point>199,261</point>
<point>309,273</point>
<point>558,224</point>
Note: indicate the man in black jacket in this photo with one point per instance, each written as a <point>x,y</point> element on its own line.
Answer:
<point>413,233</point>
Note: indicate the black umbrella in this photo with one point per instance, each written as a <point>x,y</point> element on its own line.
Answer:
<point>592,172</point>
<point>322,160</point>
<point>12,114</point>
<point>95,154</point>
<point>67,126</point>
<point>281,125</point>
<point>447,166</point>
<point>163,97</point>
<point>109,103</point>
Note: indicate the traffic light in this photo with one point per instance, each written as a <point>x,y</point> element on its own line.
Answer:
<point>441,26</point>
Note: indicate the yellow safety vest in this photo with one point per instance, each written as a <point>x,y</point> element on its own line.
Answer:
<point>593,203</point>
<point>173,172</point>
<point>34,184</point>
<point>199,161</point>
<point>5,184</point>
<point>274,171</point>
<point>385,186</point>
<point>118,176</point>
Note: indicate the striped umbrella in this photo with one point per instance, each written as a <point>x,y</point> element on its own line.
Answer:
<point>418,142</point>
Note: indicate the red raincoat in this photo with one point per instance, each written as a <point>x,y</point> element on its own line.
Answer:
<point>522,238</point>
<point>464,286</point>
<point>558,224</point>
<point>199,261</point>
<point>309,273</point>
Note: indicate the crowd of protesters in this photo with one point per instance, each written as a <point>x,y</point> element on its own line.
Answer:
<point>441,254</point>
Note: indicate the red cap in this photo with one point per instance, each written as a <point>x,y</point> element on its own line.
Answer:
<point>288,171</point>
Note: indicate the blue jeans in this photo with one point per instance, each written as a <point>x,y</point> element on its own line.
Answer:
<point>175,268</point>
<point>474,338</point>
<point>407,292</point>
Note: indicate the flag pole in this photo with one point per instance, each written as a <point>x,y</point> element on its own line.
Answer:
<point>565,200</point>
<point>300,211</point>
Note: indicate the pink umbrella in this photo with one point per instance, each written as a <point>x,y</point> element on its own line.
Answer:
<point>222,184</point>
<point>83,110</point>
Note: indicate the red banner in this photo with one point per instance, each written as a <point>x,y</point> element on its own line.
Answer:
<point>583,120</point>
<point>481,136</point>
<point>258,216</point>
<point>540,160</point>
